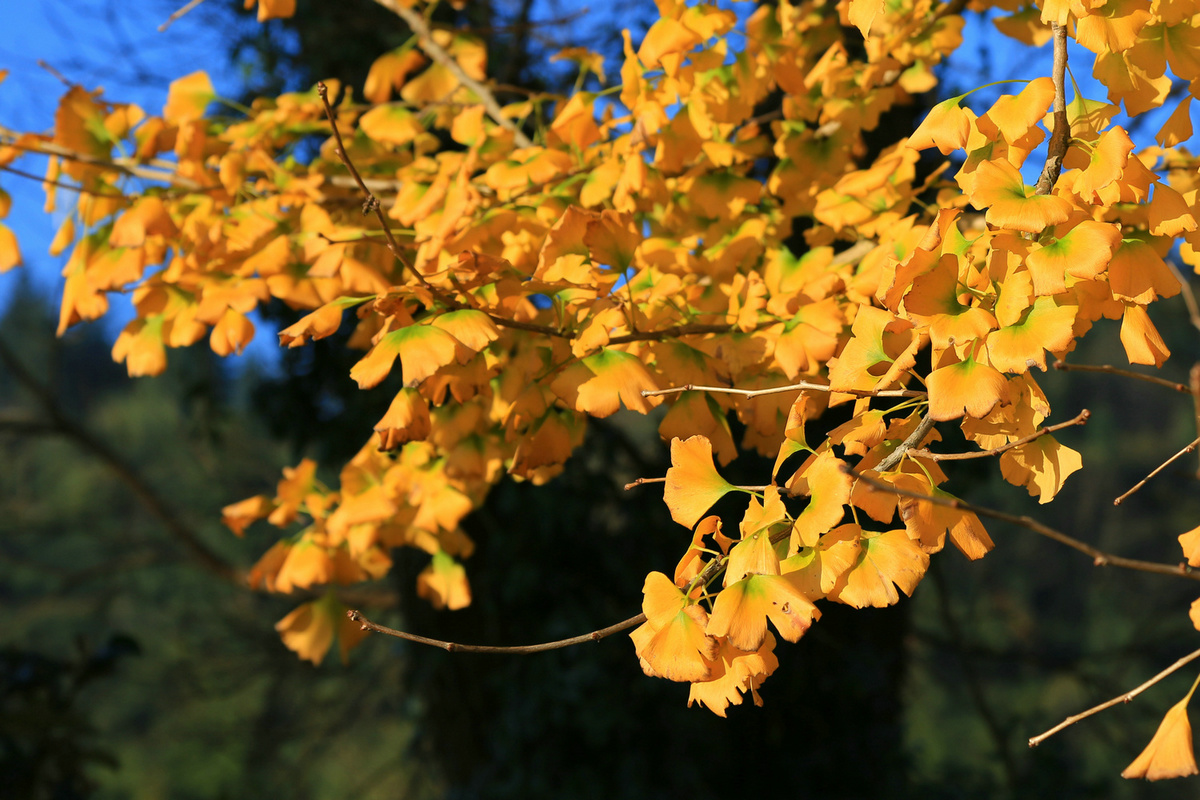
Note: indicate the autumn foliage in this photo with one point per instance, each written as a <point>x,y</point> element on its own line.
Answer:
<point>700,232</point>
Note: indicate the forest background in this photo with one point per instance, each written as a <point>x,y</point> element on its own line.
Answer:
<point>127,670</point>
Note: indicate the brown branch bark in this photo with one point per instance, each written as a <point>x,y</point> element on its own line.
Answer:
<point>1159,469</point>
<point>435,51</point>
<point>1123,698</point>
<point>1057,148</point>
<point>517,650</point>
<point>1124,373</point>
<point>794,387</point>
<point>914,440</point>
<point>1099,557</point>
<point>1080,419</point>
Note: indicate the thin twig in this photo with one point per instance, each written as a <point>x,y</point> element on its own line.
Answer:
<point>1160,468</point>
<point>1123,698</point>
<point>1099,557</point>
<point>435,51</point>
<point>914,440</point>
<point>1194,379</point>
<point>149,498</point>
<point>642,482</point>
<point>795,387</point>
<point>1125,373</point>
<point>1081,419</point>
<point>1189,297</point>
<point>371,205</point>
<point>518,650</point>
<point>128,166</point>
<point>1057,148</point>
<point>179,13</point>
<point>71,187</point>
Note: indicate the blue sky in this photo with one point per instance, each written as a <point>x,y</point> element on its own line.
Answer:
<point>117,45</point>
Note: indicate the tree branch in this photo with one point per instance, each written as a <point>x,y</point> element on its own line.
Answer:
<point>1099,557</point>
<point>1057,148</point>
<point>1081,419</point>
<point>435,51</point>
<point>518,650</point>
<point>914,439</point>
<point>795,387</point>
<point>1125,373</point>
<point>1160,468</point>
<point>1124,698</point>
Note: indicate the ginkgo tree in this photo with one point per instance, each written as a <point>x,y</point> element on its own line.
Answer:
<point>699,232</point>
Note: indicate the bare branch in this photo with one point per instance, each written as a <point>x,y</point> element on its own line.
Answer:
<point>1057,148</point>
<point>795,387</point>
<point>1160,468</point>
<point>1189,297</point>
<point>179,13</point>
<point>914,439</point>
<point>518,650</point>
<point>128,166</point>
<point>371,205</point>
<point>435,51</point>
<point>1099,557</point>
<point>1123,698</point>
<point>642,482</point>
<point>1080,419</point>
<point>1125,373</point>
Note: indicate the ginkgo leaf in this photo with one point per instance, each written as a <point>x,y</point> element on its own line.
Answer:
<point>887,561</point>
<point>862,14</point>
<point>1001,190</point>
<point>273,9</point>
<point>1138,274</point>
<point>1178,127</point>
<point>423,349</point>
<point>444,583</point>
<point>10,253</point>
<point>1142,342</point>
<point>698,413</point>
<point>307,631</point>
<point>825,480</point>
<point>601,383</point>
<point>734,672</point>
<point>407,420</point>
<point>967,387</point>
<point>1170,214</point>
<point>1014,115</point>
<point>473,328</point>
<point>928,523</point>
<point>672,643</point>
<point>1046,325</point>
<point>391,123</point>
<point>947,127</point>
<point>754,555</point>
<point>1041,466</point>
<point>1190,542</point>
<point>691,563</point>
<point>742,609</point>
<point>188,97</point>
<point>320,323</point>
<point>816,570</point>
<point>1169,754</point>
<point>692,485</point>
<point>1083,253</point>
<point>147,217</point>
<point>666,37</point>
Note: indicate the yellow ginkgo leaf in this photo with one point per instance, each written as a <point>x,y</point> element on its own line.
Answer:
<point>188,97</point>
<point>886,561</point>
<point>407,420</point>
<point>1000,189</point>
<point>1041,466</point>
<point>672,643</point>
<point>1190,542</point>
<point>1014,115</point>
<point>734,672</point>
<point>601,383</point>
<point>444,583</point>
<point>824,480</point>
<point>743,608</point>
<point>692,485</point>
<point>1169,754</point>
<point>966,388</point>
